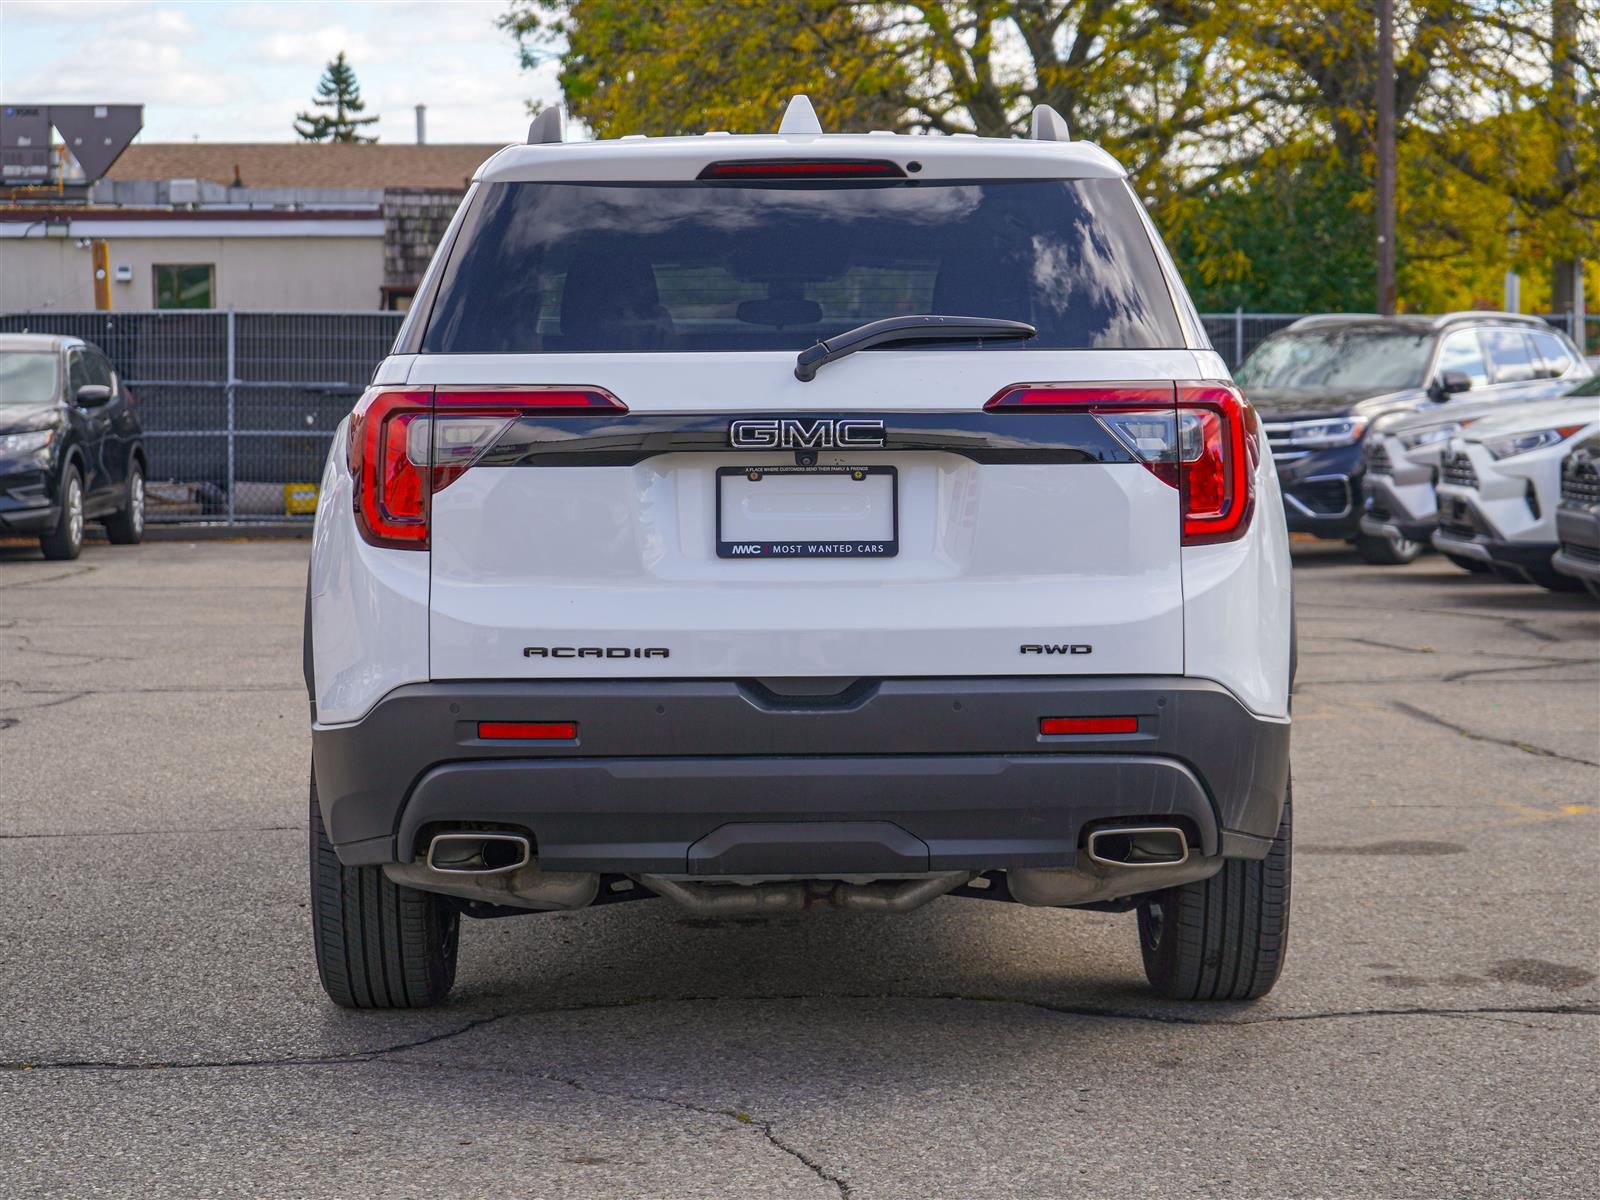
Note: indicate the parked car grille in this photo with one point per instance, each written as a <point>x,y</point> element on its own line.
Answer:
<point>1580,485</point>
<point>1324,497</point>
<point>1282,442</point>
<point>1455,519</point>
<point>1378,459</point>
<point>1457,469</point>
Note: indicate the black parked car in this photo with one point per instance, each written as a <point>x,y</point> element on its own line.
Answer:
<point>1320,383</point>
<point>71,449</point>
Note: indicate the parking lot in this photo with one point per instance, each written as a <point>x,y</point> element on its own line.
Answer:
<point>163,1032</point>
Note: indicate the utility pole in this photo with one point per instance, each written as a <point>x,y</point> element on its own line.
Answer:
<point>1386,157</point>
<point>1566,271</point>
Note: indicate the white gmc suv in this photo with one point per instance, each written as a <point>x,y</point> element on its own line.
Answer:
<point>793,521</point>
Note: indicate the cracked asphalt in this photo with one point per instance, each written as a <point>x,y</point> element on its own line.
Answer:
<point>162,1032</point>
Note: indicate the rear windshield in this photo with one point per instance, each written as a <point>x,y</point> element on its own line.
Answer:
<point>614,268</point>
<point>1363,358</point>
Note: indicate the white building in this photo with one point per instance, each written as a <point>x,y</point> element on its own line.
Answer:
<point>246,226</point>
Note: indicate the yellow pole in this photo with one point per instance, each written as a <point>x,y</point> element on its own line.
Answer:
<point>100,254</point>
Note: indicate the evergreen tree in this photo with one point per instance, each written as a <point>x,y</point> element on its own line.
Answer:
<point>338,91</point>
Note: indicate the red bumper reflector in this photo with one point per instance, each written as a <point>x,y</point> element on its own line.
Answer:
<point>1089,725</point>
<point>528,731</point>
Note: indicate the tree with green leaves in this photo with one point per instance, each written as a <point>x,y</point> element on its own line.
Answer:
<point>1247,125</point>
<point>340,95</point>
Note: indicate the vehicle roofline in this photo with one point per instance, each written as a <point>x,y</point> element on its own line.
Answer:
<point>681,158</point>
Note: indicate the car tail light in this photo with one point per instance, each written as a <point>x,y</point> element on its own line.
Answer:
<point>1057,725</point>
<point>1202,439</point>
<point>407,444</point>
<point>388,454</point>
<point>1221,448</point>
<point>468,421</point>
<point>804,168</point>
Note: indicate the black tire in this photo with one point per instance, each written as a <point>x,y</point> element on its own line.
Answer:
<point>65,541</point>
<point>378,945</point>
<point>125,527</point>
<point>1393,551</point>
<point>1222,938</point>
<point>1469,564</point>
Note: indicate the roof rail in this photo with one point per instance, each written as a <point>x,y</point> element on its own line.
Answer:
<point>1332,319</point>
<point>549,126</point>
<point>800,117</point>
<point>1048,125</point>
<point>1485,314</point>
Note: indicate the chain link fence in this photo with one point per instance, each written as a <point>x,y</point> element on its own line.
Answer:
<point>239,408</point>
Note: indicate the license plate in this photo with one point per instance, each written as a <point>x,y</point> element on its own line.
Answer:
<point>807,512</point>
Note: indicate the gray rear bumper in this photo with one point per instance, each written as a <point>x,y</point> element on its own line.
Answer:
<point>720,777</point>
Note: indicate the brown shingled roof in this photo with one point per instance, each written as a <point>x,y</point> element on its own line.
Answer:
<point>304,164</point>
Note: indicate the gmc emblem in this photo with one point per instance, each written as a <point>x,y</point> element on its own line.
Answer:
<point>805,433</point>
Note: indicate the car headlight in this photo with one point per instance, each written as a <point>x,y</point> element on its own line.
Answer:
<point>1336,431</point>
<point>1427,437</point>
<point>25,443</point>
<point>1521,443</point>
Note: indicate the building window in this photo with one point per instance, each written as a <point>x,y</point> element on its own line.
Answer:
<point>185,285</point>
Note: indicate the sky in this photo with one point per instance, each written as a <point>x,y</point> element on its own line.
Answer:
<point>239,70</point>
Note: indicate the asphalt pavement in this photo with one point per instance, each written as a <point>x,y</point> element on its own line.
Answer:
<point>162,1032</point>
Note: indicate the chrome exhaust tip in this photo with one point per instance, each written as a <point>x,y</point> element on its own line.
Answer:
<point>471,853</point>
<point>1138,846</point>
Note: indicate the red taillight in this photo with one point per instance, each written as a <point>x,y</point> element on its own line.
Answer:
<point>469,420</point>
<point>1081,397</point>
<point>1220,453</point>
<point>1053,725</point>
<point>804,168</point>
<point>528,731</point>
<point>535,399</point>
<point>388,455</point>
<point>408,443</point>
<point>1202,439</point>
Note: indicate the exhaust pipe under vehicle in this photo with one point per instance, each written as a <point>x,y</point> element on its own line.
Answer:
<point>733,899</point>
<point>1138,846</point>
<point>1117,862</point>
<point>473,853</point>
<point>494,868</point>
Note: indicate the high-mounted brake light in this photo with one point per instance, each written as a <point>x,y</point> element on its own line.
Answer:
<point>1058,725</point>
<point>406,444</point>
<point>804,168</point>
<point>527,731</point>
<point>1202,439</point>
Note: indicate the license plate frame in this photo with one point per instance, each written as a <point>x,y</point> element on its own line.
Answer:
<point>759,551</point>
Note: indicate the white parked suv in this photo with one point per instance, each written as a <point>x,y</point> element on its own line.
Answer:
<point>632,578</point>
<point>1500,485</point>
<point>1400,457</point>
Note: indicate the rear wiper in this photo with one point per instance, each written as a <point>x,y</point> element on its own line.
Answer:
<point>905,329</point>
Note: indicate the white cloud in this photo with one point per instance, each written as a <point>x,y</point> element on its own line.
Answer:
<point>317,47</point>
<point>147,73</point>
<point>241,71</point>
<point>58,12</point>
<point>165,25</point>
